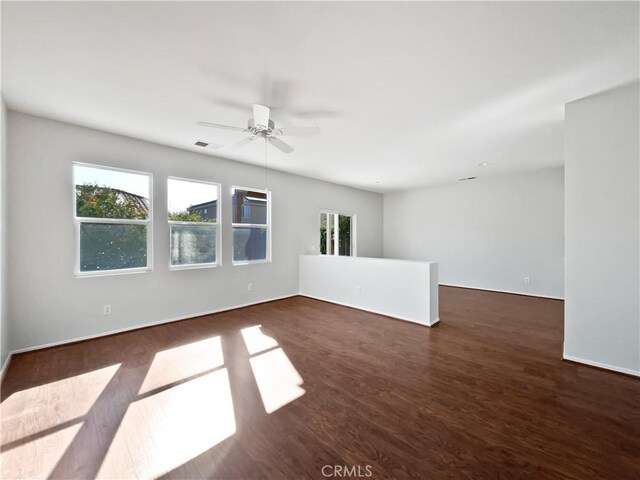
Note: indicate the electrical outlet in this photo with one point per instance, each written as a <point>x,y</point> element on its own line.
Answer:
<point>106,310</point>
<point>527,280</point>
<point>249,287</point>
<point>358,289</point>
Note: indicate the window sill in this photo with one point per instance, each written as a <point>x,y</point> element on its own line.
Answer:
<point>111,273</point>
<point>250,262</point>
<point>194,266</point>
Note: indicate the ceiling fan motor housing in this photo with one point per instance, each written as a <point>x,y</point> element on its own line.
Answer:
<point>260,128</point>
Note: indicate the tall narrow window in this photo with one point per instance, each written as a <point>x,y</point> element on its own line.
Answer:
<point>112,220</point>
<point>336,234</point>
<point>251,226</point>
<point>194,216</point>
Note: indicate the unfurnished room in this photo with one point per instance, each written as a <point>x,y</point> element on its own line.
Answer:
<point>320,240</point>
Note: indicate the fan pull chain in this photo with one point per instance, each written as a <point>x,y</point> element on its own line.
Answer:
<point>266,168</point>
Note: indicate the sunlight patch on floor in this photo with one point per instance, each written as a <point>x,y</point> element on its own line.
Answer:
<point>278,380</point>
<point>165,430</point>
<point>176,364</point>
<point>37,458</point>
<point>51,404</point>
<point>256,341</point>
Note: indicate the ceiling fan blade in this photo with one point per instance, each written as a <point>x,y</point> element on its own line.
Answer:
<point>260,116</point>
<point>280,145</point>
<point>297,131</point>
<point>241,143</point>
<point>223,127</point>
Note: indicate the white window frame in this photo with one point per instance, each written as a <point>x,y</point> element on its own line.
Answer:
<point>252,225</point>
<point>218,224</point>
<point>336,240</point>
<point>78,221</point>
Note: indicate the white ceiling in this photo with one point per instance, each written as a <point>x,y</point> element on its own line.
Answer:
<point>409,94</point>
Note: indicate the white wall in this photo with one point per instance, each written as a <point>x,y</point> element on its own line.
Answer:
<point>488,233</point>
<point>4,327</point>
<point>48,304</point>
<point>602,289</point>
<point>398,288</point>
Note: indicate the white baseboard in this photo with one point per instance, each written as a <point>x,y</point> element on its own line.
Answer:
<point>526,294</point>
<point>377,312</point>
<point>628,371</point>
<point>5,366</point>
<point>145,325</point>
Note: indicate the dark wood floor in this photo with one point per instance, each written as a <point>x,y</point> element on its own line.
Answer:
<point>482,395</point>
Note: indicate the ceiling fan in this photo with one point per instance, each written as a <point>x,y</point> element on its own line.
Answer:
<point>262,126</point>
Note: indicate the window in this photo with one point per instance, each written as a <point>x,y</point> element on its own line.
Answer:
<point>251,226</point>
<point>112,220</point>
<point>194,216</point>
<point>335,234</point>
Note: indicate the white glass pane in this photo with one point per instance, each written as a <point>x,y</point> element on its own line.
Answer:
<point>249,244</point>
<point>112,247</point>
<point>193,244</point>
<point>104,193</point>
<point>192,201</point>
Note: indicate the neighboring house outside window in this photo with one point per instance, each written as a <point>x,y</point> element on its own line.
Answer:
<point>206,210</point>
<point>251,225</point>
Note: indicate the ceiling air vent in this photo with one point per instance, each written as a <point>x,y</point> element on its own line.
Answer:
<point>212,146</point>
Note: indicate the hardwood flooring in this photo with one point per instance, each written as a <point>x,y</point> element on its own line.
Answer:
<point>281,389</point>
